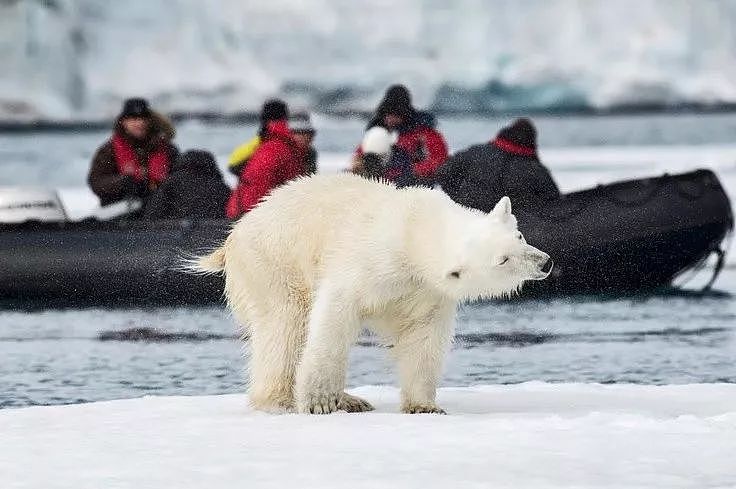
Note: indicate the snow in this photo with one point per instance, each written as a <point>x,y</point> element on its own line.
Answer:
<point>526,435</point>
<point>78,58</point>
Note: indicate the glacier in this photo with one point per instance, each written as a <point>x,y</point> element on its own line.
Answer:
<point>77,59</point>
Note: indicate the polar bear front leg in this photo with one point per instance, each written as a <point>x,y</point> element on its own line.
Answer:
<point>333,327</point>
<point>420,353</point>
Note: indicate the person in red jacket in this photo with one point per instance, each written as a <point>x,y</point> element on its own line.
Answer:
<point>276,161</point>
<point>419,150</point>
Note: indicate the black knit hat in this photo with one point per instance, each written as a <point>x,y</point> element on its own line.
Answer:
<point>521,133</point>
<point>274,110</point>
<point>135,107</point>
<point>396,101</point>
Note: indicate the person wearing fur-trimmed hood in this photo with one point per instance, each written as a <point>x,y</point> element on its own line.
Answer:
<point>138,156</point>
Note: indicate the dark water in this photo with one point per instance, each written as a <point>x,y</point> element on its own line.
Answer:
<point>56,357</point>
<point>67,356</point>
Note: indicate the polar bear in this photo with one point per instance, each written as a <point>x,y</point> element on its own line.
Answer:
<point>323,257</point>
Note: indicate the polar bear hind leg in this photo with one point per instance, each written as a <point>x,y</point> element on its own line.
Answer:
<point>274,311</point>
<point>276,342</point>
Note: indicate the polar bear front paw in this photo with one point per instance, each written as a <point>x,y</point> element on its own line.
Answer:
<point>422,409</point>
<point>353,404</point>
<point>326,403</point>
<point>320,403</point>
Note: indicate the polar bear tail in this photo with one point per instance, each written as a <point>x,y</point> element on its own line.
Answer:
<point>214,262</point>
<point>209,264</point>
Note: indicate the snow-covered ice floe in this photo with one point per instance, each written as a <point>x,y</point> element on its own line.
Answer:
<point>527,435</point>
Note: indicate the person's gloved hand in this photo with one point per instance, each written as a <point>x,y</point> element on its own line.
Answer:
<point>132,170</point>
<point>128,168</point>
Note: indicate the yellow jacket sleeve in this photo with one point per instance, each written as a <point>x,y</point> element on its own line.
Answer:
<point>243,152</point>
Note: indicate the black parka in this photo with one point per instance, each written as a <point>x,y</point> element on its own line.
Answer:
<point>194,189</point>
<point>480,175</point>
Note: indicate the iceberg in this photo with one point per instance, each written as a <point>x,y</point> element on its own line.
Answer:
<point>77,59</point>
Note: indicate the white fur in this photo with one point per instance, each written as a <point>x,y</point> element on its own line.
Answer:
<point>323,257</point>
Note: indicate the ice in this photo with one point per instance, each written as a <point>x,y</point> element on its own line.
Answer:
<point>78,58</point>
<point>525,435</point>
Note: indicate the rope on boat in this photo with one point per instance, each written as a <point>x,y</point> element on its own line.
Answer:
<point>721,259</point>
<point>717,270</point>
<point>720,252</point>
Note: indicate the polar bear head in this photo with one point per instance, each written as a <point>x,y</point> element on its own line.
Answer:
<point>492,259</point>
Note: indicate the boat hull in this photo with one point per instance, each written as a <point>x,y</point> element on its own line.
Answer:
<point>629,236</point>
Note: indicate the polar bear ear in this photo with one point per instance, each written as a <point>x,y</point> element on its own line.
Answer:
<point>502,210</point>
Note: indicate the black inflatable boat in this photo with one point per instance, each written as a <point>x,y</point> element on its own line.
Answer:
<point>623,237</point>
<point>630,236</point>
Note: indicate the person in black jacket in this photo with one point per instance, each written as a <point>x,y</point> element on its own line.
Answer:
<point>480,175</point>
<point>194,189</point>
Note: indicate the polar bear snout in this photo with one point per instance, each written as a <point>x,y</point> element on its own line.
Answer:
<point>546,267</point>
<point>543,264</point>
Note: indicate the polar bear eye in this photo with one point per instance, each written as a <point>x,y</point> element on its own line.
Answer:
<point>519,237</point>
<point>503,260</point>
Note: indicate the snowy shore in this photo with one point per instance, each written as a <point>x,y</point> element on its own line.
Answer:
<point>526,435</point>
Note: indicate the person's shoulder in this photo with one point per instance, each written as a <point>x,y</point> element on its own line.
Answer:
<point>526,166</point>
<point>425,125</point>
<point>105,146</point>
<point>171,149</point>
<point>270,145</point>
<point>267,154</point>
<point>103,151</point>
<point>281,144</point>
<point>476,150</point>
<point>425,119</point>
<point>528,161</point>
